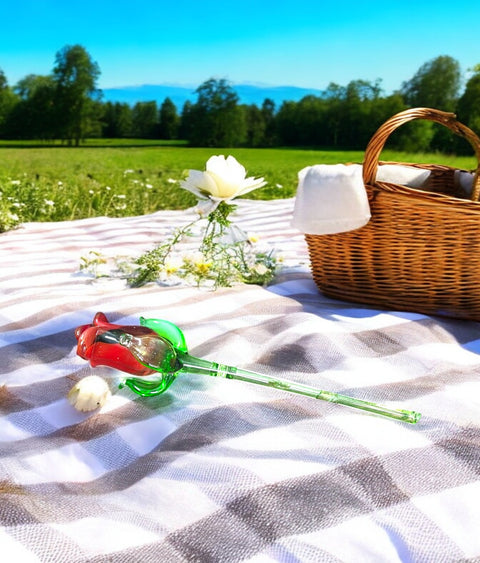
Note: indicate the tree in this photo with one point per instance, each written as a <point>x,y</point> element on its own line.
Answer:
<point>360,103</point>
<point>255,125</point>
<point>169,121</point>
<point>145,120</point>
<point>8,100</point>
<point>216,119</point>
<point>75,76</point>
<point>186,125</point>
<point>415,136</point>
<point>33,116</point>
<point>382,109</point>
<point>116,120</point>
<point>287,124</point>
<point>310,112</point>
<point>468,107</point>
<point>268,114</point>
<point>435,85</point>
<point>335,96</point>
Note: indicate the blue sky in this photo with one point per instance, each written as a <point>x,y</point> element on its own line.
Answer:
<point>302,43</point>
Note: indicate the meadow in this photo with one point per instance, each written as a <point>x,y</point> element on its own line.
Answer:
<point>122,178</point>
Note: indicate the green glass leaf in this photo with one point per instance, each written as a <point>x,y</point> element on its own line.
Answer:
<point>149,388</point>
<point>167,330</point>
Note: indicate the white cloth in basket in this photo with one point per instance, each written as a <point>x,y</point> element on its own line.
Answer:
<point>403,175</point>
<point>464,180</point>
<point>331,198</point>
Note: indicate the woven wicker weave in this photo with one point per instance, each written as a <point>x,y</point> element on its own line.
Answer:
<point>421,249</point>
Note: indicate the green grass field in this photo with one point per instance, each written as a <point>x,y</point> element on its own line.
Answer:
<point>131,177</point>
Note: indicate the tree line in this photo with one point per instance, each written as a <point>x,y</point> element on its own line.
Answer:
<point>66,105</point>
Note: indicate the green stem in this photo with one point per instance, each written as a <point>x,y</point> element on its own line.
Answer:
<point>194,365</point>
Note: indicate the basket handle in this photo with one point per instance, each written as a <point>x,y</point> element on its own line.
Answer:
<point>377,142</point>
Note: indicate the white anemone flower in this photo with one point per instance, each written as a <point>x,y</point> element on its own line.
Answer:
<point>90,393</point>
<point>223,180</point>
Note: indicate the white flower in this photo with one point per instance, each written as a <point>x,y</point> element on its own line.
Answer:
<point>89,393</point>
<point>194,258</point>
<point>260,269</point>
<point>173,265</point>
<point>223,180</point>
<point>49,202</point>
<point>15,182</point>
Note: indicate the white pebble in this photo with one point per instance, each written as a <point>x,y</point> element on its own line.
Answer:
<point>90,393</point>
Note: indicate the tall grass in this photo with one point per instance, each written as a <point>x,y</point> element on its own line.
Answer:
<point>121,178</point>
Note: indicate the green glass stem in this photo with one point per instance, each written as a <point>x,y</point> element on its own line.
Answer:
<point>161,356</point>
<point>197,366</point>
<point>194,365</point>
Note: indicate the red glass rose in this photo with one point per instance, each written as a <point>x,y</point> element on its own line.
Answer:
<point>98,344</point>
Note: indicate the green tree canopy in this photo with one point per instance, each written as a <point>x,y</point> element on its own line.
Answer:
<point>66,105</point>
<point>169,120</point>
<point>255,124</point>
<point>435,85</point>
<point>268,114</point>
<point>116,120</point>
<point>145,120</point>
<point>468,108</point>
<point>8,100</point>
<point>216,118</point>
<point>33,116</point>
<point>75,75</point>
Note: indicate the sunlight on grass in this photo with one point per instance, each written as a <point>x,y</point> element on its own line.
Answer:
<point>59,183</point>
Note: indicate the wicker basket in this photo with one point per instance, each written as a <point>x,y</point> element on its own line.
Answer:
<point>421,249</point>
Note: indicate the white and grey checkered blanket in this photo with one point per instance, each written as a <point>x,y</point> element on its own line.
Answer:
<point>223,471</point>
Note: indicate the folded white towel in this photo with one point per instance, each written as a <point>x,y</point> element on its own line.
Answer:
<point>403,175</point>
<point>464,180</point>
<point>330,199</point>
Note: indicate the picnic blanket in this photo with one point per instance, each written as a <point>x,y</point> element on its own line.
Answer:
<point>225,471</point>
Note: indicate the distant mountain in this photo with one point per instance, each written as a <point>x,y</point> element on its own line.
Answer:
<point>248,93</point>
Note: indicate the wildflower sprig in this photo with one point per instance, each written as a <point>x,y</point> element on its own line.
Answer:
<point>154,262</point>
<point>224,254</point>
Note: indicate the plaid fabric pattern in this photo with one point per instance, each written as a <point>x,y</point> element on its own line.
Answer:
<point>224,471</point>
